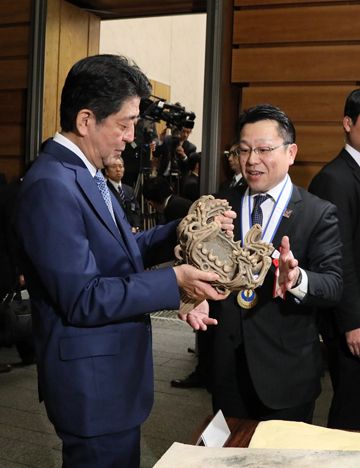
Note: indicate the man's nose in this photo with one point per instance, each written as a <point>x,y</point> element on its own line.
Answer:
<point>129,134</point>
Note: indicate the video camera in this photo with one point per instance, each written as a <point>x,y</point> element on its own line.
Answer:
<point>157,109</point>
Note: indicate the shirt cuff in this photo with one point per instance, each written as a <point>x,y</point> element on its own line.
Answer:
<point>302,289</point>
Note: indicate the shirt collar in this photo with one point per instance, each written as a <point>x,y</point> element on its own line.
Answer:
<point>353,153</point>
<point>62,140</point>
<point>273,192</point>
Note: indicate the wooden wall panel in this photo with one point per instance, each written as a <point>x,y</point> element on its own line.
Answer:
<point>66,24</point>
<point>12,139</point>
<point>14,40</point>
<point>321,103</point>
<point>334,63</point>
<point>272,3</point>
<point>308,24</point>
<point>15,20</point>
<point>12,106</point>
<point>14,74</point>
<point>302,174</point>
<point>12,11</point>
<point>302,57</point>
<point>318,143</point>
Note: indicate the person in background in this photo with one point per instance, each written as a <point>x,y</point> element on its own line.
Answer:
<point>190,188</point>
<point>233,158</point>
<point>339,182</point>
<point>173,152</point>
<point>91,296</point>
<point>159,193</point>
<point>267,356</point>
<point>124,194</point>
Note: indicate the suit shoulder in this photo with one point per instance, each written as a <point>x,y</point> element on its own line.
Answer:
<point>314,202</point>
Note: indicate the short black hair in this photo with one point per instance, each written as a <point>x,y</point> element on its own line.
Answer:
<point>100,83</point>
<point>269,112</point>
<point>352,105</point>
<point>156,189</point>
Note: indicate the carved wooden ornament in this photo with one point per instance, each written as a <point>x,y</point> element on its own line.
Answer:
<point>204,245</point>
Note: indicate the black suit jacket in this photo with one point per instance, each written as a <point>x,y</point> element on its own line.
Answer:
<point>280,337</point>
<point>131,208</point>
<point>339,182</point>
<point>177,207</point>
<point>167,149</point>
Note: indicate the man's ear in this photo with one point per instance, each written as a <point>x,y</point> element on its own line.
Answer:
<point>293,149</point>
<point>83,119</point>
<point>347,123</point>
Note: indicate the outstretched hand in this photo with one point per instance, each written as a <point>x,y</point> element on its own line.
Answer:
<point>288,268</point>
<point>198,318</point>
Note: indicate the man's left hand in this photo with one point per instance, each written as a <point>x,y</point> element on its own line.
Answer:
<point>198,318</point>
<point>353,341</point>
<point>227,221</point>
<point>288,268</point>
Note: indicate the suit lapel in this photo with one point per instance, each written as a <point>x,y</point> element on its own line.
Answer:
<point>350,161</point>
<point>288,218</point>
<point>91,193</point>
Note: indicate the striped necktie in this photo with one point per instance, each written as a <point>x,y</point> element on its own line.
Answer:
<point>121,194</point>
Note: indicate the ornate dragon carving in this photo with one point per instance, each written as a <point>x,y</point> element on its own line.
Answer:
<point>203,244</point>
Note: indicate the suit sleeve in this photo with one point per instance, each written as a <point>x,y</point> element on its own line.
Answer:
<point>87,287</point>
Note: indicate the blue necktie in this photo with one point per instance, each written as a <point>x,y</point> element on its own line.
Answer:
<point>104,190</point>
<point>257,214</point>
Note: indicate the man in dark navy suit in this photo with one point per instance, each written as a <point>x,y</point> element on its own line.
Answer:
<point>124,194</point>
<point>91,297</point>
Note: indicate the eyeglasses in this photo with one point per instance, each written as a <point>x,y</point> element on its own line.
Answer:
<point>260,150</point>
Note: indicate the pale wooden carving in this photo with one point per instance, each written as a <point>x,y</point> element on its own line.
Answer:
<point>203,244</point>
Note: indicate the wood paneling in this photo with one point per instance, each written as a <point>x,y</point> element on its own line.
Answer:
<point>302,57</point>
<point>14,40</point>
<point>308,24</point>
<point>303,174</point>
<point>66,25</point>
<point>51,69</point>
<point>318,143</point>
<point>107,9</point>
<point>13,74</point>
<point>270,3</point>
<point>12,107</point>
<point>12,12</point>
<point>318,103</point>
<point>296,64</point>
<point>12,140</point>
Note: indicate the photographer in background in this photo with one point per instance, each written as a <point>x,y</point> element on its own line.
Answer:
<point>173,152</point>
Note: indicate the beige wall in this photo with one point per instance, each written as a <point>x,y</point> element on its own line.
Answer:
<point>170,50</point>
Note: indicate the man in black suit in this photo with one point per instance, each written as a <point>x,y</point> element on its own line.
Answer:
<point>159,193</point>
<point>339,182</point>
<point>267,359</point>
<point>123,193</point>
<point>233,158</point>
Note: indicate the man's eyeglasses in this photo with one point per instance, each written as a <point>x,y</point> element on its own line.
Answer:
<point>260,150</point>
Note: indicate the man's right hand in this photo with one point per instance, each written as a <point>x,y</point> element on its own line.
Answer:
<point>353,341</point>
<point>195,283</point>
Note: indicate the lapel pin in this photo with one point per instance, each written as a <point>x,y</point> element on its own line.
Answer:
<point>287,213</point>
